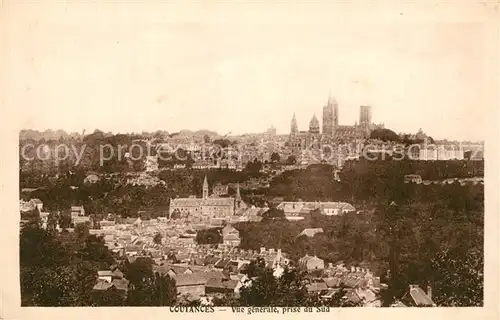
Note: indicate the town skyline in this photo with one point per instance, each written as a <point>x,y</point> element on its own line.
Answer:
<point>146,75</point>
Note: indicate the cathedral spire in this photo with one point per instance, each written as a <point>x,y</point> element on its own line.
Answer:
<point>205,188</point>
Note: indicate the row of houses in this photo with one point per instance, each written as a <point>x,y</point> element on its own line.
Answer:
<point>300,209</point>
<point>417,179</point>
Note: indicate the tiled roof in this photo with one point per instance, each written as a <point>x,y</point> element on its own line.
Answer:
<point>117,273</point>
<point>352,296</point>
<point>121,284</point>
<point>333,282</point>
<point>419,297</point>
<point>222,284</point>
<point>317,286</point>
<point>102,285</point>
<point>133,248</point>
<point>26,206</point>
<point>197,278</point>
<point>311,232</point>
<point>36,201</point>
<point>222,263</point>
<point>231,237</point>
<point>229,229</point>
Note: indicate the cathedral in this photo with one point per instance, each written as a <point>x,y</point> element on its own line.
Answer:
<point>331,131</point>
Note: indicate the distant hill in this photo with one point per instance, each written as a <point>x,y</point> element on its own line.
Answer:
<point>47,135</point>
<point>199,133</point>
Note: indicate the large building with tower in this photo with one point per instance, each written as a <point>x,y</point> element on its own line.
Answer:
<point>208,206</point>
<point>331,131</point>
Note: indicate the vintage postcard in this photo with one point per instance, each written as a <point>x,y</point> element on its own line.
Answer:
<point>223,159</point>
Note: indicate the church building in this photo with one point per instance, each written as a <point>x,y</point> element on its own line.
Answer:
<point>332,132</point>
<point>208,206</point>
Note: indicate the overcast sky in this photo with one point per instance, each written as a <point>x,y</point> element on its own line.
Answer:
<point>244,67</point>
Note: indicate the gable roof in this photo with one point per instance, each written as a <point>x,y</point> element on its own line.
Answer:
<point>332,282</point>
<point>310,232</point>
<point>102,285</point>
<point>222,263</point>
<point>231,237</point>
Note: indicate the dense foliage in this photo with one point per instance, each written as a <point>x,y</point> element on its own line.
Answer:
<point>421,239</point>
<point>60,269</point>
<point>148,288</point>
<point>286,291</point>
<point>384,135</point>
<point>209,236</point>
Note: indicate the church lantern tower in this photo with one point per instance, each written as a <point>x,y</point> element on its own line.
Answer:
<point>314,125</point>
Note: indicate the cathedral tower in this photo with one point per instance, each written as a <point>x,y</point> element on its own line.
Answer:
<point>365,117</point>
<point>294,129</point>
<point>330,116</point>
<point>335,108</point>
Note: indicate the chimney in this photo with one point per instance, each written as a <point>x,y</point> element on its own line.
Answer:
<point>271,250</point>
<point>429,292</point>
<point>279,252</point>
<point>330,265</point>
<point>353,269</point>
<point>262,250</point>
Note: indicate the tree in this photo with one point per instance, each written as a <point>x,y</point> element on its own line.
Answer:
<point>291,160</point>
<point>148,288</point>
<point>384,135</point>
<point>157,238</point>
<point>273,214</point>
<point>64,220</point>
<point>108,298</point>
<point>176,214</point>
<point>52,220</point>
<point>209,236</point>
<point>286,291</point>
<point>458,279</point>
<point>59,269</point>
<point>164,290</point>
<point>275,157</point>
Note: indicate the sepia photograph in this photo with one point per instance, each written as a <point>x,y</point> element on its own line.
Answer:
<point>255,157</point>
